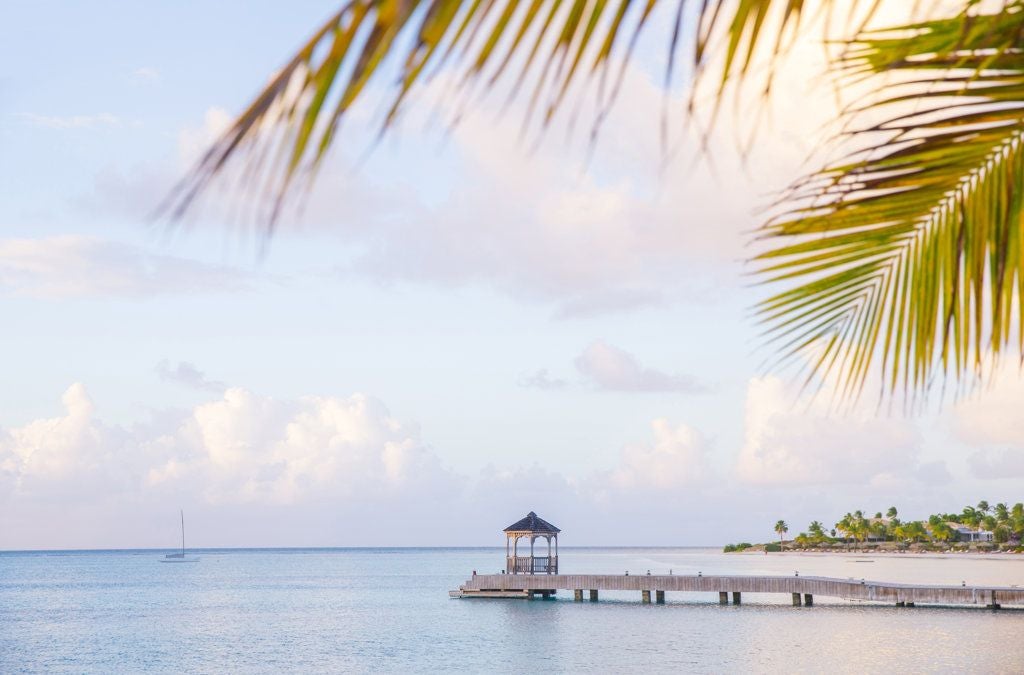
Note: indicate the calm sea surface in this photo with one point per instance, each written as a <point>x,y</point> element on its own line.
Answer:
<point>362,610</point>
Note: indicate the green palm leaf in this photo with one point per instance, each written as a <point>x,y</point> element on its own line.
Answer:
<point>907,259</point>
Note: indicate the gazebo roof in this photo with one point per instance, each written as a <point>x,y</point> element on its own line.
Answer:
<point>534,524</point>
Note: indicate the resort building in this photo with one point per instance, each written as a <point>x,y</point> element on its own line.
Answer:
<point>966,534</point>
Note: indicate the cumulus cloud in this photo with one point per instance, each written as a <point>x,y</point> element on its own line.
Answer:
<point>613,369</point>
<point>990,421</point>
<point>295,471</point>
<point>75,266</point>
<point>992,415</point>
<point>241,447</point>
<point>609,235</point>
<point>244,447</point>
<point>791,442</point>
<point>187,374</point>
<point>675,458</point>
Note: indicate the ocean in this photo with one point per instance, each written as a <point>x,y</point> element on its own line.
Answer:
<point>387,610</point>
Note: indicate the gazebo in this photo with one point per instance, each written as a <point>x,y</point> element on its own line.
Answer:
<point>534,527</point>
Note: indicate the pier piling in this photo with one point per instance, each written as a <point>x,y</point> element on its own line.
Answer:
<point>577,595</point>
<point>659,597</point>
<point>992,604</point>
<point>735,597</point>
<point>796,599</point>
<point>723,598</point>
<point>808,599</point>
<point>593,595</point>
<point>645,597</point>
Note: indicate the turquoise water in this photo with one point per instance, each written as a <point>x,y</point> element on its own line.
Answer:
<point>360,610</point>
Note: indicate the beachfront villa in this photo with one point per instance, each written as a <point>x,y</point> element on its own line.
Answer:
<point>966,534</point>
<point>531,527</point>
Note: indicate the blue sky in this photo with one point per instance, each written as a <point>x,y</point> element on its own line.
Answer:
<point>456,322</point>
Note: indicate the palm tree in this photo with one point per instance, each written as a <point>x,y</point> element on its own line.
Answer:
<point>984,507</point>
<point>891,513</point>
<point>915,530</point>
<point>1002,513</point>
<point>897,261</point>
<point>817,532</point>
<point>941,531</point>
<point>846,526</point>
<point>782,528</point>
<point>971,517</point>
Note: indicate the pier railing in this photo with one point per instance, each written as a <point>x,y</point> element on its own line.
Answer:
<point>535,565</point>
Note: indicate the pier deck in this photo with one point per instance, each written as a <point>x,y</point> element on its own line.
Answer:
<point>802,588</point>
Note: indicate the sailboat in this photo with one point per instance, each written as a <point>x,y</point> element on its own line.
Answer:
<point>180,557</point>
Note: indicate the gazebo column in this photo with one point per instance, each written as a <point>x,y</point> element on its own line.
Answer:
<point>532,568</point>
<point>556,554</point>
<point>549,555</point>
<point>515,555</point>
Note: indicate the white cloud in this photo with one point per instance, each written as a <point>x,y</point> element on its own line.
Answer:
<point>990,421</point>
<point>239,448</point>
<point>193,142</point>
<point>613,369</point>
<point>792,442</point>
<point>675,458</point>
<point>187,374</point>
<point>57,446</point>
<point>993,414</point>
<point>296,471</point>
<point>609,235</point>
<point>104,119</point>
<point>75,266</point>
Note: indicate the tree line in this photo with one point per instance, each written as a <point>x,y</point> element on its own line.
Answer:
<point>1006,524</point>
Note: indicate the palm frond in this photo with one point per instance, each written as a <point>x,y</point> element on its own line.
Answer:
<point>907,259</point>
<point>542,46</point>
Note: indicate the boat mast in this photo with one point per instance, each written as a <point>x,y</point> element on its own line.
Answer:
<point>182,532</point>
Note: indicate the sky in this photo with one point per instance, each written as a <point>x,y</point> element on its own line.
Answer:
<point>460,327</point>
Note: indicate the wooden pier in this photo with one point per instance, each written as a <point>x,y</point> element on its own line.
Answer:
<point>802,589</point>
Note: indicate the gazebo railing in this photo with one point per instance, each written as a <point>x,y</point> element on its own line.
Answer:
<point>535,565</point>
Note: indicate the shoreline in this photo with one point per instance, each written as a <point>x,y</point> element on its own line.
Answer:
<point>880,554</point>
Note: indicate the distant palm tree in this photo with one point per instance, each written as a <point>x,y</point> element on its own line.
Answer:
<point>817,531</point>
<point>891,513</point>
<point>846,526</point>
<point>942,532</point>
<point>971,517</point>
<point>983,507</point>
<point>1002,513</point>
<point>782,528</point>
<point>897,261</point>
